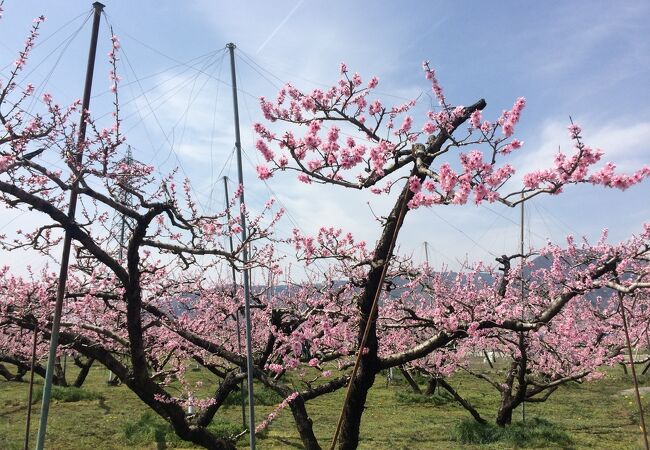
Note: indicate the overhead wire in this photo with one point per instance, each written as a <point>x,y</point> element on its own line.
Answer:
<point>46,37</point>
<point>65,44</point>
<point>36,97</point>
<point>170,141</point>
<point>292,218</point>
<point>212,137</point>
<point>311,81</point>
<point>477,244</point>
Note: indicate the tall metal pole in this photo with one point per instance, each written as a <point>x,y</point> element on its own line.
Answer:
<point>67,242</point>
<point>523,293</point>
<point>31,388</point>
<point>234,292</point>
<point>247,305</point>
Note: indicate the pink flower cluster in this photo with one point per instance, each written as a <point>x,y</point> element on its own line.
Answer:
<point>478,177</point>
<point>271,417</point>
<point>29,44</point>
<point>347,100</point>
<point>575,169</point>
<point>112,57</point>
<point>510,118</point>
<point>329,243</point>
<point>5,162</point>
<point>430,75</point>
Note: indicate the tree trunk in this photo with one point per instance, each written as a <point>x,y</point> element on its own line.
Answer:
<point>20,373</point>
<point>409,379</point>
<point>359,387</point>
<point>5,373</point>
<point>504,416</point>
<point>59,374</point>
<point>83,373</point>
<point>464,403</point>
<point>23,367</point>
<point>432,383</point>
<point>369,363</point>
<point>304,424</point>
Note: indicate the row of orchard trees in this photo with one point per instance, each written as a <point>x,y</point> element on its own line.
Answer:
<point>148,312</point>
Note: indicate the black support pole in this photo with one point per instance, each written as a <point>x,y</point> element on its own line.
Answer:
<point>67,242</point>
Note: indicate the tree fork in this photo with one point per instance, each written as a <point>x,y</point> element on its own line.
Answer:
<point>367,365</point>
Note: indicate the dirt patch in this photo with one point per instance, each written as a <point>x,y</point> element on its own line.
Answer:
<point>642,390</point>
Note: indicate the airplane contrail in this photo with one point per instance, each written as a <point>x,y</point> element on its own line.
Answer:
<point>279,26</point>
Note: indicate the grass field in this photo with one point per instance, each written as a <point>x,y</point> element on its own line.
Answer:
<point>591,415</point>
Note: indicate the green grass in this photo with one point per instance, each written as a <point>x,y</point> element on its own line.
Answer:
<point>149,428</point>
<point>580,416</point>
<point>262,396</point>
<point>534,433</point>
<point>67,394</point>
<point>438,399</point>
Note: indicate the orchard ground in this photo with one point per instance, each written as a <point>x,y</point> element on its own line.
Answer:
<point>594,414</point>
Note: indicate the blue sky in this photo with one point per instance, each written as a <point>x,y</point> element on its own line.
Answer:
<point>586,59</point>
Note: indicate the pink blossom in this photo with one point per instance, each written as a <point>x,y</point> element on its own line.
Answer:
<point>574,130</point>
<point>448,178</point>
<point>263,172</point>
<point>375,107</point>
<point>510,118</point>
<point>422,199</point>
<point>406,125</point>
<point>475,119</point>
<point>430,75</point>
<point>429,127</point>
<point>304,178</point>
<point>5,162</point>
<point>415,184</point>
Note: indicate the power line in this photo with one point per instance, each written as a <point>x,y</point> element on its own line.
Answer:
<point>477,244</point>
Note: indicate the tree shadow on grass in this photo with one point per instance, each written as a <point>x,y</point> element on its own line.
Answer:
<point>287,443</point>
<point>103,406</point>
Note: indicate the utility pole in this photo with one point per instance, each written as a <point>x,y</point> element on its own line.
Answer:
<point>247,305</point>
<point>67,242</point>
<point>234,293</point>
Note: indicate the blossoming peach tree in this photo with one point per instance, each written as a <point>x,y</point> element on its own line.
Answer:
<point>584,336</point>
<point>120,300</point>
<point>429,167</point>
<point>153,303</point>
